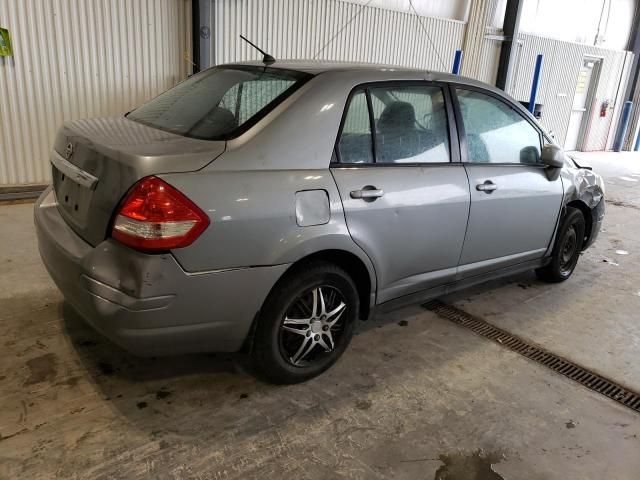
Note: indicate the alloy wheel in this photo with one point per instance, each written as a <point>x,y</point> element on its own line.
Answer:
<point>313,326</point>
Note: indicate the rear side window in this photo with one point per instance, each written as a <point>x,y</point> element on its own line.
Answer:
<point>495,132</point>
<point>411,125</point>
<point>219,103</point>
<point>355,145</point>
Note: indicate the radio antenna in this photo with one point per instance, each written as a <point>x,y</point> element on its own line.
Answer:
<point>266,58</point>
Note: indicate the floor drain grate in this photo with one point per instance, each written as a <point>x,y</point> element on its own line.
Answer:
<point>589,379</point>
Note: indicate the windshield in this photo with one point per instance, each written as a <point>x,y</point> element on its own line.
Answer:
<point>220,103</point>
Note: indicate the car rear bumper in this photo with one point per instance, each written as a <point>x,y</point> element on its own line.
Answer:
<point>147,303</point>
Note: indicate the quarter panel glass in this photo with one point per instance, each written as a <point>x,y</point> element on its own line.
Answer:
<point>355,145</point>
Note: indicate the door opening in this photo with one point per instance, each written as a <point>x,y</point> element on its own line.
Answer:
<point>583,97</point>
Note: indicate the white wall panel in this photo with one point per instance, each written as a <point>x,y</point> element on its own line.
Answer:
<point>474,45</point>
<point>452,9</point>
<point>606,23</point>
<point>81,58</point>
<point>480,59</point>
<point>299,29</point>
<point>562,62</point>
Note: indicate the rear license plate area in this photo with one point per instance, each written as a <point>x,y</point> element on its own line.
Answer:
<point>72,197</point>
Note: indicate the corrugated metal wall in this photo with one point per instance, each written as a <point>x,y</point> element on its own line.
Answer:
<point>474,37</point>
<point>562,62</point>
<point>300,29</point>
<point>453,9</point>
<point>485,64</point>
<point>81,58</point>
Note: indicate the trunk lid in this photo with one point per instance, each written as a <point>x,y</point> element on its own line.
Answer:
<point>96,161</point>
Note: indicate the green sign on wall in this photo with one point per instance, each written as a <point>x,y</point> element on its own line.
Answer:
<point>5,43</point>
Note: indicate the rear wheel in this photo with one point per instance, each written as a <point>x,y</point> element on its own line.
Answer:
<point>567,248</point>
<point>306,323</point>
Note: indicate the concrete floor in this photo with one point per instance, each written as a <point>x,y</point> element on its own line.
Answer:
<point>406,402</point>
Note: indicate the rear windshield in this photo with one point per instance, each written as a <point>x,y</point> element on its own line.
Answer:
<point>221,102</point>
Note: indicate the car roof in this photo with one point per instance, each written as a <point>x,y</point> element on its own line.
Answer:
<point>316,67</point>
<point>321,66</point>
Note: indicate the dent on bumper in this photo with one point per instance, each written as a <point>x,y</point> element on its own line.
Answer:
<point>147,303</point>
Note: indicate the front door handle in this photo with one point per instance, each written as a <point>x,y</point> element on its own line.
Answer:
<point>367,193</point>
<point>486,187</point>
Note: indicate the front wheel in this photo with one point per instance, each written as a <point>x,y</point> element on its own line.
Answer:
<point>306,323</point>
<point>566,250</point>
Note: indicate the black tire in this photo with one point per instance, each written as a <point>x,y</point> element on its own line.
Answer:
<point>275,344</point>
<point>566,250</point>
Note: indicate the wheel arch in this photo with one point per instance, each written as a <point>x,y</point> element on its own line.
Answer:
<point>361,273</point>
<point>359,269</point>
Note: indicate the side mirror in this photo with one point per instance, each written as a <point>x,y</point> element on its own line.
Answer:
<point>552,156</point>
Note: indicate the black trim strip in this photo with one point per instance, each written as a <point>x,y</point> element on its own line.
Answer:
<point>372,126</point>
<point>462,133</point>
<point>195,35</point>
<point>454,137</point>
<point>389,165</point>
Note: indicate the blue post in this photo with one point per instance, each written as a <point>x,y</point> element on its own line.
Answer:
<point>637,147</point>
<point>457,62</point>
<point>622,126</point>
<point>535,84</point>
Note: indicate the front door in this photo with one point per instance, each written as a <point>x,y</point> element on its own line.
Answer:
<point>406,203</point>
<point>582,99</point>
<point>514,206</point>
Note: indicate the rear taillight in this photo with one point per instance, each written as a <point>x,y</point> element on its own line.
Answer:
<point>156,216</point>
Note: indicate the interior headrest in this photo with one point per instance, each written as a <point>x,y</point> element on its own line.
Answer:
<point>397,115</point>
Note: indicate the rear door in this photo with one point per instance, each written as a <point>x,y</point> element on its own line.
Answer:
<point>514,206</point>
<point>404,191</point>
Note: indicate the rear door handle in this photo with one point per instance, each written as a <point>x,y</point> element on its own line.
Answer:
<point>486,187</point>
<point>367,193</point>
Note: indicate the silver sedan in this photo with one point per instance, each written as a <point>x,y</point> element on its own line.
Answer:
<point>268,208</point>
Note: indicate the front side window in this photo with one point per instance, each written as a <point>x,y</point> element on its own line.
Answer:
<point>355,145</point>
<point>219,103</point>
<point>495,132</point>
<point>411,124</point>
